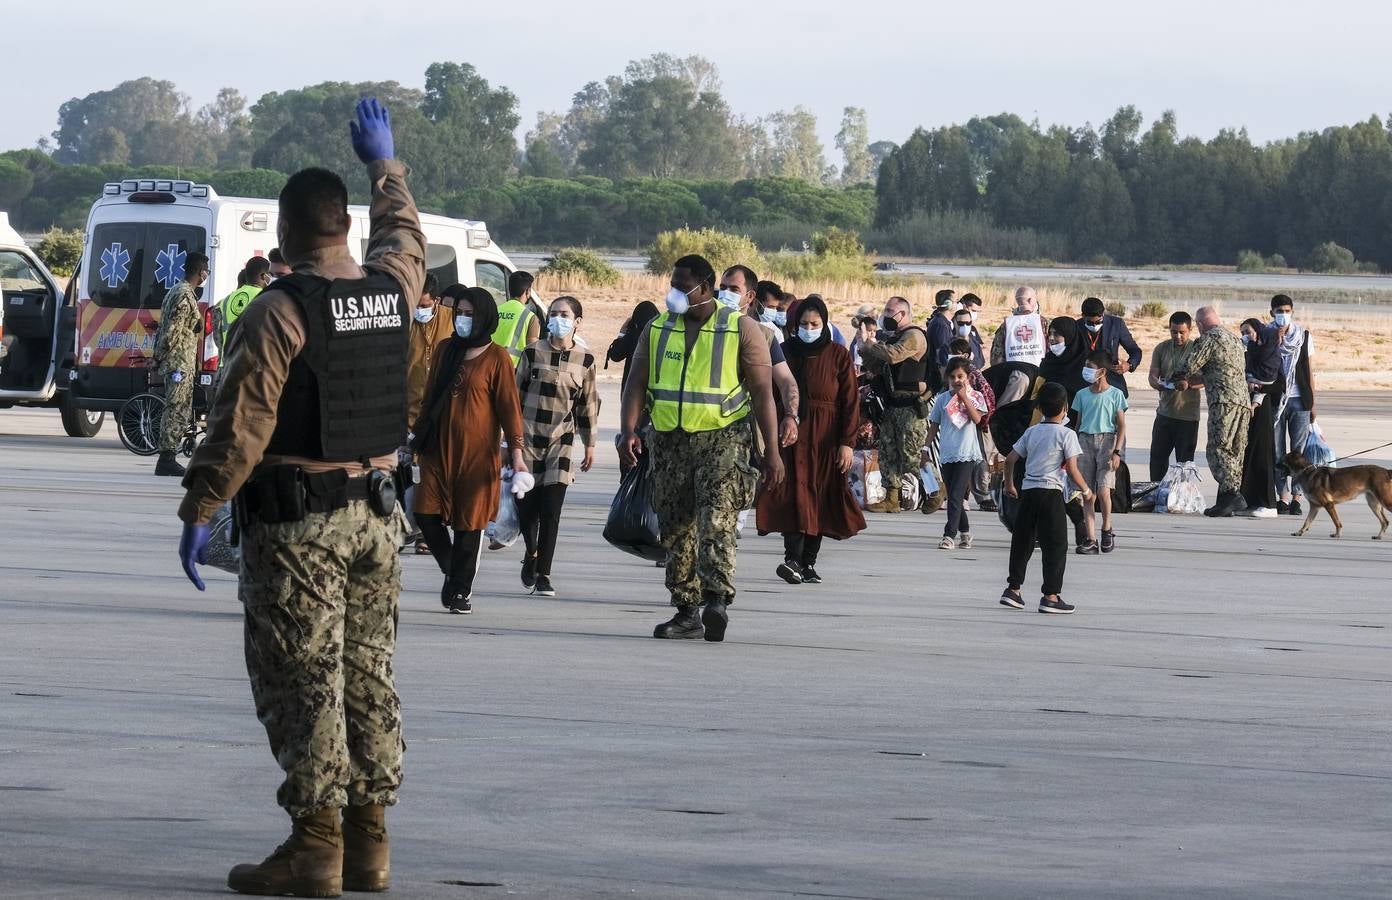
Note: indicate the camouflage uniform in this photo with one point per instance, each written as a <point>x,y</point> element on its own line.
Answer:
<point>902,435</point>
<point>321,613</point>
<point>703,480</point>
<point>176,350</point>
<point>1221,359</point>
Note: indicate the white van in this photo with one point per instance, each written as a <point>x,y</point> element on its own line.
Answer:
<point>138,235</point>
<point>36,336</point>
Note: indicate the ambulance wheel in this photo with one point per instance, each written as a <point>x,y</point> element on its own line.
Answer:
<point>83,423</point>
<point>138,424</point>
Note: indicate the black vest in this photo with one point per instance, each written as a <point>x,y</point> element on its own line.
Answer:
<point>910,373</point>
<point>345,398</point>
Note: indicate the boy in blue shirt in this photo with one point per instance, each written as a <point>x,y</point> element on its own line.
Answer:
<point>1101,412</point>
<point>1050,451</point>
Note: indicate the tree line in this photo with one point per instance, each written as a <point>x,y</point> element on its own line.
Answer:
<point>657,147</point>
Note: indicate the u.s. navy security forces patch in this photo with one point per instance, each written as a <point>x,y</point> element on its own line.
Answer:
<point>371,313</point>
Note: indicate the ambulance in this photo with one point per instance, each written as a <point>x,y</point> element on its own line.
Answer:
<point>37,322</point>
<point>139,235</point>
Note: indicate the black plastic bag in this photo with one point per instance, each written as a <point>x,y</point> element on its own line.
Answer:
<point>1121,494</point>
<point>632,524</point>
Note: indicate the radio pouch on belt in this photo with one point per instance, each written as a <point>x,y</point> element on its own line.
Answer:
<point>326,491</point>
<point>276,495</point>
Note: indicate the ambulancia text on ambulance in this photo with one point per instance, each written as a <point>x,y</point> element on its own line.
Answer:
<point>140,233</point>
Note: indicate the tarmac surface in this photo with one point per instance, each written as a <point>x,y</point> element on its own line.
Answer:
<point>1213,722</point>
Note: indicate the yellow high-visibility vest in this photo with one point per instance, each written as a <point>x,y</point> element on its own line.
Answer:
<point>514,317</point>
<point>701,392</point>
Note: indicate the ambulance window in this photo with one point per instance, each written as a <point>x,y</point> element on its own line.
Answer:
<point>493,278</point>
<point>17,275</point>
<point>117,265</point>
<point>169,244</point>
<point>440,261</point>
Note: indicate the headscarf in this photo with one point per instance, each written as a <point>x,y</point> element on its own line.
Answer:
<point>790,324</point>
<point>450,359</point>
<point>1067,367</point>
<point>643,313</point>
<point>794,345</point>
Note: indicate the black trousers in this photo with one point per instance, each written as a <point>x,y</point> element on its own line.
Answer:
<point>801,548</point>
<point>1259,459</point>
<point>1171,435</point>
<point>539,513</point>
<point>957,478</point>
<point>1041,515</point>
<point>458,558</point>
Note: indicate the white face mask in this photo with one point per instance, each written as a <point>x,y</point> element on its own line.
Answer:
<point>1282,319</point>
<point>1094,328</point>
<point>729,299</point>
<point>679,301</point>
<point>780,318</point>
<point>810,335</point>
<point>463,325</point>
<point>1090,374</point>
<point>560,327</point>
<point>963,330</point>
<point>1057,349</point>
<point>767,316</point>
<point>425,315</point>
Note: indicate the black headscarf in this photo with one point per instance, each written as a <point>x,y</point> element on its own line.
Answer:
<point>643,313</point>
<point>1067,367</point>
<point>794,345</point>
<point>450,359</point>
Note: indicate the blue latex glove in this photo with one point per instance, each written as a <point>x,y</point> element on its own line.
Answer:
<point>193,548</point>
<point>372,134</point>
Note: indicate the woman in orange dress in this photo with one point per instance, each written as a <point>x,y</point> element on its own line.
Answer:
<point>472,404</point>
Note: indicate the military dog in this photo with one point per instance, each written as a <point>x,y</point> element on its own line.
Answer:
<point>1324,487</point>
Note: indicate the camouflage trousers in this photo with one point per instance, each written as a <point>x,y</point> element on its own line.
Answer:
<point>902,434</point>
<point>178,413</point>
<point>700,483</point>
<point>321,608</point>
<point>1227,443</point>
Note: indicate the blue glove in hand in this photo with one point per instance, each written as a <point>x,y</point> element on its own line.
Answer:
<point>372,134</point>
<point>193,548</point>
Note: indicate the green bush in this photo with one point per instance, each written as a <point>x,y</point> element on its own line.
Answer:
<point>60,250</point>
<point>1277,261</point>
<point>721,249</point>
<point>1115,307</point>
<point>1330,257</point>
<point>965,235</point>
<point>1151,309</point>
<point>574,262</point>
<point>1250,261</point>
<point>835,241</point>
<point>811,267</point>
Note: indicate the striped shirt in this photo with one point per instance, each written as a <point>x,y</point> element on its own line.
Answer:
<point>559,398</point>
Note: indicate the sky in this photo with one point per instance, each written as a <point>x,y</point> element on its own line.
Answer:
<point>1277,68</point>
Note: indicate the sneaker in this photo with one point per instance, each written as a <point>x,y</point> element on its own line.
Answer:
<point>1058,607</point>
<point>1295,509</point>
<point>1011,597</point>
<point>810,576</point>
<point>789,571</point>
<point>1262,512</point>
<point>543,587</point>
<point>529,575</point>
<point>1108,541</point>
<point>459,606</point>
<point>1282,508</point>
<point>1089,548</point>
<point>964,542</point>
<point>947,543</point>
<point>454,600</point>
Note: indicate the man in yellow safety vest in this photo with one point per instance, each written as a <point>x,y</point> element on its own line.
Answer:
<point>701,369</point>
<point>518,322</point>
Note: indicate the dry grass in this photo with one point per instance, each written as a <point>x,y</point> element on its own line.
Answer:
<point>1356,350</point>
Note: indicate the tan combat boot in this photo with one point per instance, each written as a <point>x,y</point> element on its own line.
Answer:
<point>366,849</point>
<point>308,864</point>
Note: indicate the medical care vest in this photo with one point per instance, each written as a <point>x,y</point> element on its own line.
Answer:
<point>345,397</point>
<point>1024,339</point>
<point>700,391</point>
<point>511,334</point>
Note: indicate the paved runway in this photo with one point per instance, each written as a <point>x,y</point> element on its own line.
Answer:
<point>1214,722</point>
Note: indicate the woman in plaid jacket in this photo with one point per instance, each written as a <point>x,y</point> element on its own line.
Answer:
<point>556,381</point>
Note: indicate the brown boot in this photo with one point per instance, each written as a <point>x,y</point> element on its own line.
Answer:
<point>366,849</point>
<point>887,505</point>
<point>308,864</point>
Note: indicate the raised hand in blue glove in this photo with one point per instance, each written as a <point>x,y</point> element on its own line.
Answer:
<point>193,548</point>
<point>372,134</point>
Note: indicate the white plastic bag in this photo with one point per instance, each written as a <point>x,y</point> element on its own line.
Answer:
<point>503,531</point>
<point>930,481</point>
<point>864,478</point>
<point>1183,496</point>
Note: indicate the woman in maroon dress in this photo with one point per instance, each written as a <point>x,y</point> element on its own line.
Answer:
<point>815,501</point>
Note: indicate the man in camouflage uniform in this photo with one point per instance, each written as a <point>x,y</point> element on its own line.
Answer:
<point>176,358</point>
<point>1217,362</point>
<point>701,369</point>
<point>897,356</point>
<point>304,432</point>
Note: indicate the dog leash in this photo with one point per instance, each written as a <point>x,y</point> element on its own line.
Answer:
<point>1361,452</point>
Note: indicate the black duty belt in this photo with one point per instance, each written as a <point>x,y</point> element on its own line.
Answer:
<point>288,493</point>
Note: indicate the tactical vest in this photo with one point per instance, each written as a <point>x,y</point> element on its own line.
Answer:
<point>345,398</point>
<point>702,391</point>
<point>910,373</point>
<point>514,317</point>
